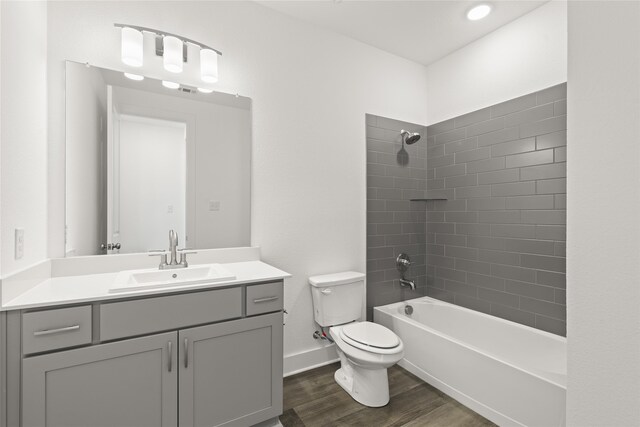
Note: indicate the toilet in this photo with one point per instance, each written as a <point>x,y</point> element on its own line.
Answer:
<point>365,349</point>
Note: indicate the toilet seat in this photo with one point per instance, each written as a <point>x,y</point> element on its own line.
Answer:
<point>371,337</point>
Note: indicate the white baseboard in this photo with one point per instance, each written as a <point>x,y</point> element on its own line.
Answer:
<point>306,360</point>
<point>273,422</point>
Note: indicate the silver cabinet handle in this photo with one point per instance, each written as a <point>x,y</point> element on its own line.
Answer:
<point>186,353</point>
<point>56,331</point>
<point>266,299</point>
<point>170,351</point>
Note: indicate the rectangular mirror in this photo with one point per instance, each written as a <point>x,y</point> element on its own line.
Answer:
<point>143,159</point>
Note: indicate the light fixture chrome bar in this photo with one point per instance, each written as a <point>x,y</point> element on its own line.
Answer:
<point>164,33</point>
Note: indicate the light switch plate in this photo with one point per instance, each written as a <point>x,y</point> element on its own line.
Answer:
<point>19,242</point>
<point>214,205</point>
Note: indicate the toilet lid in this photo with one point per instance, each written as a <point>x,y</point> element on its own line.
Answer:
<point>371,334</point>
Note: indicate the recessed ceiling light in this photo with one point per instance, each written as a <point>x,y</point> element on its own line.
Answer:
<point>170,85</point>
<point>205,90</point>
<point>478,12</point>
<point>136,77</point>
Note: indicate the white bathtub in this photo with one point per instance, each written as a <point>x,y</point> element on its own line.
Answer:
<point>511,374</point>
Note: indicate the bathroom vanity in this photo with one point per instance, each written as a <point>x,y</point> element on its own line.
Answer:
<point>119,340</point>
<point>203,354</point>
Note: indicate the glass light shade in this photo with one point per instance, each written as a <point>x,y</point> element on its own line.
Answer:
<point>170,85</point>
<point>205,90</point>
<point>136,77</point>
<point>478,12</point>
<point>132,47</point>
<point>172,56</point>
<point>208,65</point>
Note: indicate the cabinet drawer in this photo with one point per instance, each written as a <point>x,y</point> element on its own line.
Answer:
<point>144,316</point>
<point>264,298</point>
<point>54,329</point>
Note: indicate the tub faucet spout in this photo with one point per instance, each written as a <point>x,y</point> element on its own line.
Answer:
<point>409,283</point>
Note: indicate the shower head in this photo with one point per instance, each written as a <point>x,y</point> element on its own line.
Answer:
<point>409,138</point>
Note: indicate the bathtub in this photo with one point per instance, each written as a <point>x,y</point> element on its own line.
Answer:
<point>511,374</point>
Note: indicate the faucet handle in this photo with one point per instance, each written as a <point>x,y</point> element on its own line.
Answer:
<point>184,252</point>
<point>183,256</point>
<point>163,256</point>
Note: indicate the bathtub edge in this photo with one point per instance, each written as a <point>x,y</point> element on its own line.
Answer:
<point>480,408</point>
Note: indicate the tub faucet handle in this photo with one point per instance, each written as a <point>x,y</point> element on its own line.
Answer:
<point>403,262</point>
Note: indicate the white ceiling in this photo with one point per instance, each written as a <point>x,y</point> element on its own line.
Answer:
<point>420,30</point>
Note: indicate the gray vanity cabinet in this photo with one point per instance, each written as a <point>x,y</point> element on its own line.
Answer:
<point>231,372</point>
<point>125,383</point>
<point>193,359</point>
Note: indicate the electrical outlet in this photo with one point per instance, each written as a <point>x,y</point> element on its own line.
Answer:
<point>214,205</point>
<point>19,241</point>
<point>170,209</point>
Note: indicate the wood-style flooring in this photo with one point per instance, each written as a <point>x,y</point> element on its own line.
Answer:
<point>313,399</point>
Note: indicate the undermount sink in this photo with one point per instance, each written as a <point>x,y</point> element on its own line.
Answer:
<point>154,278</point>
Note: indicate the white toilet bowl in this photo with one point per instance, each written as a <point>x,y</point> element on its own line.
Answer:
<point>366,350</point>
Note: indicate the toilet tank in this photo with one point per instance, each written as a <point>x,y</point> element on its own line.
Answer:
<point>337,297</point>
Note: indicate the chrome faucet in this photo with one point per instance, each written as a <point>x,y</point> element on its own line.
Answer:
<point>173,246</point>
<point>409,283</point>
<point>403,262</point>
<point>173,251</point>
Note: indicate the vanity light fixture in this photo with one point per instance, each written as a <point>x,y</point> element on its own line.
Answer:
<point>136,77</point>
<point>171,47</point>
<point>170,85</point>
<point>208,65</point>
<point>132,46</point>
<point>478,12</point>
<point>172,55</point>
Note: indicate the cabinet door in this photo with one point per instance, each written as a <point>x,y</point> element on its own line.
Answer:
<point>231,372</point>
<point>121,384</point>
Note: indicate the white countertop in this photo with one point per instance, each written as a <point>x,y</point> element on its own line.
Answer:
<point>95,287</point>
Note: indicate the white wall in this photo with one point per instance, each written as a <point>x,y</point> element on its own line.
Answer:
<point>603,214</point>
<point>86,118</point>
<point>521,57</point>
<point>310,90</point>
<point>23,138</point>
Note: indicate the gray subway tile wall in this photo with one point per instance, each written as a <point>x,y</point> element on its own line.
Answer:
<point>396,174</point>
<point>499,247</point>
